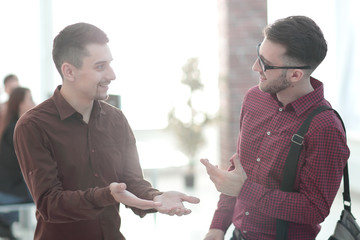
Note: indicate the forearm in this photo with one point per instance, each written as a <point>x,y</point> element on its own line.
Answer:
<point>222,218</point>
<point>58,206</point>
<point>296,207</point>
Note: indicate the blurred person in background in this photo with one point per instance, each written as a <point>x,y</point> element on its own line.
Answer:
<point>78,153</point>
<point>12,185</point>
<point>11,81</point>
<point>271,114</point>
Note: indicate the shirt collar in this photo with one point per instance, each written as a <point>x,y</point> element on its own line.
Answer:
<point>307,101</point>
<point>66,110</point>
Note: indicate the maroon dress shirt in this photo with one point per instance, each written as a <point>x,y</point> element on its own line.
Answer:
<point>266,128</point>
<point>69,164</point>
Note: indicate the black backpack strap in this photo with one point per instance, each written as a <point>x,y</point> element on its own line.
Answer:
<point>289,172</point>
<point>297,139</point>
<point>346,193</point>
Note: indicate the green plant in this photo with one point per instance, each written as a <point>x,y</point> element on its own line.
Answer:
<point>189,132</point>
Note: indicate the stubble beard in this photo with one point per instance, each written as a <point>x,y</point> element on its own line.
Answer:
<point>276,86</point>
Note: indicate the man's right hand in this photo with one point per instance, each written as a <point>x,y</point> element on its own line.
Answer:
<point>215,234</point>
<point>121,195</point>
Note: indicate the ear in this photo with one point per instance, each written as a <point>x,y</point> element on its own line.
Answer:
<point>68,71</point>
<point>295,75</point>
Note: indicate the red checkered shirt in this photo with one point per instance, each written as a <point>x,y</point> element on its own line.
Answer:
<point>266,128</point>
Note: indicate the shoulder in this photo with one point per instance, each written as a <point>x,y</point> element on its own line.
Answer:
<point>112,114</point>
<point>253,91</point>
<point>109,109</point>
<point>327,121</point>
<point>39,115</point>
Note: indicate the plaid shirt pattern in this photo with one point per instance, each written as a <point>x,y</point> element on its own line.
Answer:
<point>266,128</point>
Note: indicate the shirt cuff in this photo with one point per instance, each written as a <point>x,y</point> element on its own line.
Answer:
<point>102,197</point>
<point>221,221</point>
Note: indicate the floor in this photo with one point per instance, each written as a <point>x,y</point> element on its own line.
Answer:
<point>195,225</point>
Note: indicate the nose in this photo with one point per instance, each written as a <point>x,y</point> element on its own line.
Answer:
<point>111,74</point>
<point>256,66</point>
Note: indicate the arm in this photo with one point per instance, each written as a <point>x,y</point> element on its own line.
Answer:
<point>170,203</point>
<point>215,234</point>
<point>40,172</point>
<point>225,182</point>
<point>318,178</point>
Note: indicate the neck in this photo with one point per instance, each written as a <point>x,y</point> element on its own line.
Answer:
<point>295,91</point>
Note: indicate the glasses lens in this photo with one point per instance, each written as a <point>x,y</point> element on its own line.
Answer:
<point>259,58</point>
<point>261,64</point>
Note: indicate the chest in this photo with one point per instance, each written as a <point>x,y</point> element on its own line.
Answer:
<point>86,153</point>
<point>264,143</point>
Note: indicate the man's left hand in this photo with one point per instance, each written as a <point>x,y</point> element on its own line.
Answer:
<point>226,182</point>
<point>172,203</point>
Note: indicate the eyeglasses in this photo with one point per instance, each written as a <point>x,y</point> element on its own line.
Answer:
<point>265,67</point>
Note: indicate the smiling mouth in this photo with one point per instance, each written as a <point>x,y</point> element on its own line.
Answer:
<point>262,79</point>
<point>104,85</point>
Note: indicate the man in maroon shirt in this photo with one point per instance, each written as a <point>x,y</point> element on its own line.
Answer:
<point>271,113</point>
<point>78,154</point>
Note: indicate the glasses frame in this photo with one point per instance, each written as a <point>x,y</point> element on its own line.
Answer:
<point>265,67</point>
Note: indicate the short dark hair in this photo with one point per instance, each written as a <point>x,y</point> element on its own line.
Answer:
<point>302,38</point>
<point>10,77</point>
<point>70,44</point>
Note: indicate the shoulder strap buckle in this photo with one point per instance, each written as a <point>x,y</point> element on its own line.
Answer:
<point>296,138</point>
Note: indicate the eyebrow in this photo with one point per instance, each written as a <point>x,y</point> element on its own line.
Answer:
<point>101,62</point>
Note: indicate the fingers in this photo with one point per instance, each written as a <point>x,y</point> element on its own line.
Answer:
<point>173,203</point>
<point>190,199</point>
<point>117,187</point>
<point>133,201</point>
<point>237,164</point>
<point>205,162</point>
<point>174,211</point>
<point>209,167</point>
<point>145,204</point>
<point>239,169</point>
<point>213,171</point>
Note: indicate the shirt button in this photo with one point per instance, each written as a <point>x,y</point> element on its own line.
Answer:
<point>96,175</point>
<point>258,159</point>
<point>244,231</point>
<point>247,213</point>
<point>92,150</point>
<point>280,109</point>
<point>268,133</point>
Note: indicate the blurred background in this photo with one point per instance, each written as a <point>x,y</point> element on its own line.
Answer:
<point>182,70</point>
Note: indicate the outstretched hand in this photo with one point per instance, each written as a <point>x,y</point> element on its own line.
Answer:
<point>226,182</point>
<point>172,203</point>
<point>121,195</point>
